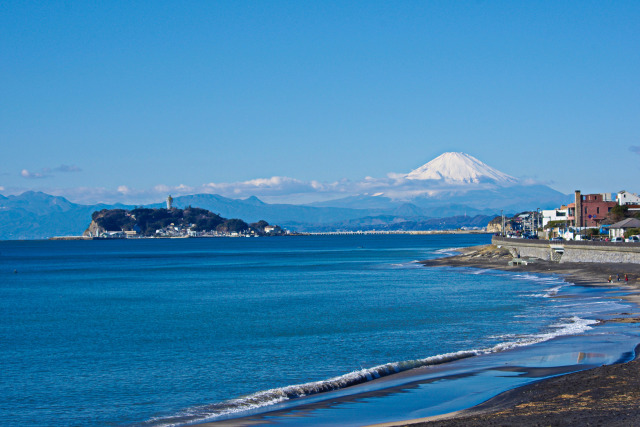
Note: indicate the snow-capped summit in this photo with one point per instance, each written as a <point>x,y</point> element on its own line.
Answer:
<point>459,168</point>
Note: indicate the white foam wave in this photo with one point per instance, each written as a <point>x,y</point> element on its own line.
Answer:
<point>552,292</point>
<point>548,293</point>
<point>481,271</point>
<point>448,251</point>
<point>538,278</point>
<point>411,264</point>
<point>278,395</point>
<point>568,326</point>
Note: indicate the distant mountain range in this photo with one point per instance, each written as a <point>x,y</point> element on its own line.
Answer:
<point>451,191</point>
<point>36,215</point>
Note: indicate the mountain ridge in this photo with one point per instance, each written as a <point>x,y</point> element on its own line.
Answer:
<point>451,185</point>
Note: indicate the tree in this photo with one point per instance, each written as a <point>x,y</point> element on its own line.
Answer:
<point>114,219</point>
<point>233,225</point>
<point>592,232</point>
<point>631,232</point>
<point>618,213</point>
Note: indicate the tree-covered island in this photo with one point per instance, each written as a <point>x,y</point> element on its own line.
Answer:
<point>188,222</point>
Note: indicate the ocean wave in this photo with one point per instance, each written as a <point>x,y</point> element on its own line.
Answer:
<point>411,264</point>
<point>548,293</point>
<point>278,395</point>
<point>447,251</point>
<point>482,271</point>
<point>566,326</point>
<point>539,278</point>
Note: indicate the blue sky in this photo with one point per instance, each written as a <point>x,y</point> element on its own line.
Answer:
<point>130,101</point>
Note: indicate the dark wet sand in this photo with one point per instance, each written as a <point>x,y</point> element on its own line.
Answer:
<point>603,396</point>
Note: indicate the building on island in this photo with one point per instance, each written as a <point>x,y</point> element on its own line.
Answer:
<point>169,202</point>
<point>270,228</point>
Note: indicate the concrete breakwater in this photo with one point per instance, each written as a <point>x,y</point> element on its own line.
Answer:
<point>571,251</point>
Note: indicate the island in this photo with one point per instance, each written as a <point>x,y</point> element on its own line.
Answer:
<point>172,222</point>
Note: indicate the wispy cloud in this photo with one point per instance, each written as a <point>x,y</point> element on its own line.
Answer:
<point>123,189</point>
<point>274,186</point>
<point>276,189</point>
<point>635,149</point>
<point>67,168</point>
<point>25,173</point>
<point>49,172</point>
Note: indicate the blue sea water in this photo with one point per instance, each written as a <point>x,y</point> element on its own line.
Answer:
<point>167,332</point>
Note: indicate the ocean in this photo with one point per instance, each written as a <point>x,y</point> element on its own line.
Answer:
<point>159,332</point>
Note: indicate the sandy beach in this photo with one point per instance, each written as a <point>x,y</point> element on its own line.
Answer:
<point>607,395</point>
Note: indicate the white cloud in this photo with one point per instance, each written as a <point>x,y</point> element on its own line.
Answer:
<point>49,172</point>
<point>33,175</point>
<point>276,185</point>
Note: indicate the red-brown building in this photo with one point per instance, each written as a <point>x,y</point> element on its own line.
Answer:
<point>589,210</point>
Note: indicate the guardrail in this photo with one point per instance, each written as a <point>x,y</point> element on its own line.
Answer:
<point>544,242</point>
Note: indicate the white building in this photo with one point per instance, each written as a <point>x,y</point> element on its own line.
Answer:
<point>624,198</point>
<point>554,215</point>
<point>618,229</point>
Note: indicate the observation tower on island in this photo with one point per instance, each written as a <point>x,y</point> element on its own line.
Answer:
<point>169,201</point>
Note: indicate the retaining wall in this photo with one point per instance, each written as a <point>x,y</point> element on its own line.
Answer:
<point>572,251</point>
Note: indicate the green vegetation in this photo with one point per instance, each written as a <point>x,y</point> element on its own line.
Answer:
<point>554,224</point>
<point>592,232</point>
<point>618,213</point>
<point>632,232</point>
<point>147,221</point>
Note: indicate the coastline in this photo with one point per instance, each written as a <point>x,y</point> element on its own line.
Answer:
<point>605,395</point>
<point>541,362</point>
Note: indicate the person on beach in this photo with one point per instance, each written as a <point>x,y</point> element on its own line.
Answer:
<point>626,279</point>
<point>618,277</point>
<point>609,278</point>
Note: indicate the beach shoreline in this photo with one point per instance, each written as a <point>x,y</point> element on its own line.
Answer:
<point>605,395</point>
<point>488,257</point>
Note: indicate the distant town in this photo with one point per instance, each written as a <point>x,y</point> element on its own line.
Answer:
<point>590,217</point>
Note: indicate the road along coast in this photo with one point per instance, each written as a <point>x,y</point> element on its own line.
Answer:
<point>607,395</point>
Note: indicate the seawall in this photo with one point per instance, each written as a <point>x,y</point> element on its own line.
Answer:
<point>571,251</point>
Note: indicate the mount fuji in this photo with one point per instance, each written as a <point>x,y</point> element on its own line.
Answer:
<point>459,168</point>
<point>455,184</point>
